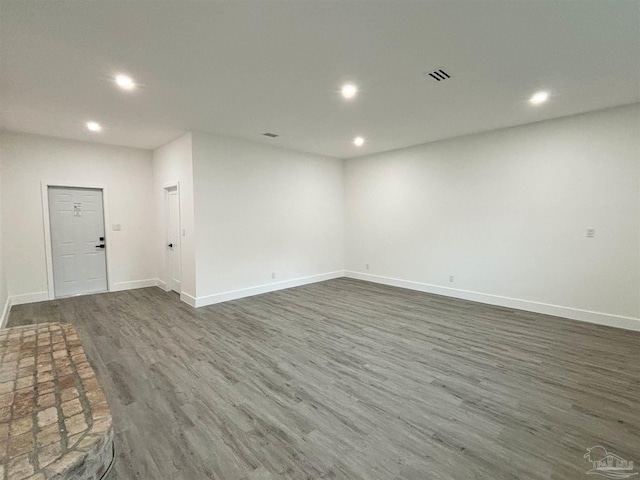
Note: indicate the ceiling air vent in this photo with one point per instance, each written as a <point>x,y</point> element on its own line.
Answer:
<point>272,135</point>
<point>439,75</point>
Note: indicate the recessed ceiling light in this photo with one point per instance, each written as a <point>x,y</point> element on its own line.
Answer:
<point>538,98</point>
<point>94,126</point>
<point>349,90</point>
<point>358,141</point>
<point>125,82</point>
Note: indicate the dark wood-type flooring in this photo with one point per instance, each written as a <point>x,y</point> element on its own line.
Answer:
<point>351,380</point>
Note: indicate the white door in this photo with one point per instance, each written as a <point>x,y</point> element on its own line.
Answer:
<point>77,241</point>
<point>173,244</point>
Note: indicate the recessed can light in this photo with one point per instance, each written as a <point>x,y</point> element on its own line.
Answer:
<point>358,141</point>
<point>538,98</point>
<point>349,90</point>
<point>125,82</point>
<point>94,126</point>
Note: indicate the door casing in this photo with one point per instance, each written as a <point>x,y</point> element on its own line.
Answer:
<point>166,188</point>
<point>47,228</point>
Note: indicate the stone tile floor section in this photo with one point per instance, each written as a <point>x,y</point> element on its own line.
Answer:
<point>55,421</point>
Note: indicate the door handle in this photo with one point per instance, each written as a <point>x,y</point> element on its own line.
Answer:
<point>100,246</point>
<point>170,245</point>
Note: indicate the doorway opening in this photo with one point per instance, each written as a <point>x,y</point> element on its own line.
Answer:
<point>173,263</point>
<point>78,242</point>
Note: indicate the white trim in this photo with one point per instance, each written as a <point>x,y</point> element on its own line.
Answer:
<point>160,284</point>
<point>133,284</point>
<point>44,296</point>
<point>188,299</point>
<point>271,287</point>
<point>5,313</point>
<point>44,185</point>
<point>168,281</point>
<point>618,321</point>
<point>29,298</point>
<point>47,239</point>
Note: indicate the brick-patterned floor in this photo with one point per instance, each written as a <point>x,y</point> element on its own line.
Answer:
<point>54,417</point>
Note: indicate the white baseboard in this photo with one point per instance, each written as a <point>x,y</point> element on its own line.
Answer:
<point>29,298</point>
<point>270,287</point>
<point>161,283</point>
<point>600,318</point>
<point>116,287</point>
<point>618,321</point>
<point>188,299</point>
<point>119,286</point>
<point>5,313</point>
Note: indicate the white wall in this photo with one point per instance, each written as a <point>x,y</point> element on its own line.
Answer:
<point>28,160</point>
<point>172,164</point>
<point>506,213</point>
<point>4,294</point>
<point>260,210</point>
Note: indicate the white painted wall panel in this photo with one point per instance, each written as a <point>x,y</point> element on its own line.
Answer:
<point>27,160</point>
<point>4,294</point>
<point>173,163</point>
<point>260,210</point>
<point>506,213</point>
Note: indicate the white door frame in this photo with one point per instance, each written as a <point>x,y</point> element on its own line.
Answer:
<point>167,258</point>
<point>47,228</point>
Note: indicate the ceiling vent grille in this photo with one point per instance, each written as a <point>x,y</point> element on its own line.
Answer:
<point>439,75</point>
<point>272,135</point>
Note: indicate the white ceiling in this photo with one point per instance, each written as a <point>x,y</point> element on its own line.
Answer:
<point>242,68</point>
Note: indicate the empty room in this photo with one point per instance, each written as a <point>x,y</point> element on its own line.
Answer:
<point>308,239</point>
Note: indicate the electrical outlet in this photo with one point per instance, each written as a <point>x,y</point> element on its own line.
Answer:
<point>451,278</point>
<point>591,232</point>
<point>273,275</point>
<point>367,266</point>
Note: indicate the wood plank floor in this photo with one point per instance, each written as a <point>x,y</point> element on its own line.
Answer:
<point>350,380</point>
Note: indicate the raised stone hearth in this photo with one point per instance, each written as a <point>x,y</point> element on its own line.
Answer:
<point>55,421</point>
